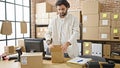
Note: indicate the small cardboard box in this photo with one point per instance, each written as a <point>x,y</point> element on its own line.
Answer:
<point>45,6</point>
<point>21,44</point>
<point>90,20</point>
<point>57,54</point>
<point>115,33</point>
<point>115,23</point>
<point>9,49</point>
<point>77,14</point>
<point>90,7</point>
<point>106,50</point>
<point>90,33</point>
<point>31,60</point>
<point>104,33</point>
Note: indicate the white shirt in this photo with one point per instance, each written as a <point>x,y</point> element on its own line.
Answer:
<point>61,30</point>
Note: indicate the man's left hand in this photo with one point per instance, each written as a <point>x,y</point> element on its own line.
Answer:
<point>65,46</point>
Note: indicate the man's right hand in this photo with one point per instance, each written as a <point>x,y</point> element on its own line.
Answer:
<point>51,46</point>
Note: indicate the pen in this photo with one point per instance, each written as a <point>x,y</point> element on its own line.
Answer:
<point>79,60</point>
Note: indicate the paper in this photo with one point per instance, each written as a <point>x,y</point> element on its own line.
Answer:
<point>104,15</point>
<point>79,60</point>
<point>24,60</point>
<point>115,31</point>
<point>104,36</point>
<point>85,18</point>
<point>104,22</point>
<point>115,16</point>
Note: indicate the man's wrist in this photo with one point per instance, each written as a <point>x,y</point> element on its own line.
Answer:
<point>48,42</point>
<point>68,43</point>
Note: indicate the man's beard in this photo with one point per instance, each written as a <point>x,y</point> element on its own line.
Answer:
<point>63,14</point>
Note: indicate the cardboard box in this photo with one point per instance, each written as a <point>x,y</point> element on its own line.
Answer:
<point>57,54</point>
<point>115,33</point>
<point>43,7</point>
<point>42,21</point>
<point>76,14</point>
<point>90,7</point>
<point>41,32</point>
<point>9,50</point>
<point>115,23</point>
<point>104,33</point>
<point>42,15</point>
<point>115,16</point>
<point>52,15</point>
<point>87,48</point>
<point>90,33</point>
<point>90,20</point>
<point>106,50</point>
<point>105,15</point>
<point>74,4</point>
<point>31,60</point>
<point>21,44</point>
<point>106,23</point>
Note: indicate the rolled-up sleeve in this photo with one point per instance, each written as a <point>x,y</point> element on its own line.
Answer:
<point>48,34</point>
<point>75,32</point>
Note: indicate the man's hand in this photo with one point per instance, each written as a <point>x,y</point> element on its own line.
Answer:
<point>65,46</point>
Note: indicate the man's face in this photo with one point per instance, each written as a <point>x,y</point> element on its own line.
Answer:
<point>62,10</point>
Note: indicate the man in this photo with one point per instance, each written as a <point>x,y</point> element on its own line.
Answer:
<point>63,30</point>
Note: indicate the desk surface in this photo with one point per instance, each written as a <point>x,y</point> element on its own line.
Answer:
<point>46,64</point>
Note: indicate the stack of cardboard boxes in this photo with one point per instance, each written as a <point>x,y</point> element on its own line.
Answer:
<point>104,26</point>
<point>90,19</point>
<point>115,27</point>
<point>42,17</point>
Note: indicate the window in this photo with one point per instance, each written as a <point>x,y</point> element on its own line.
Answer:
<point>14,11</point>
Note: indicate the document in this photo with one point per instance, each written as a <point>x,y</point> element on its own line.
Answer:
<point>79,60</point>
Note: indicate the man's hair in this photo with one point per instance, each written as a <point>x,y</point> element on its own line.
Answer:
<point>63,2</point>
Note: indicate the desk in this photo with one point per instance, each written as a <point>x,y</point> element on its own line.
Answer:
<point>46,64</point>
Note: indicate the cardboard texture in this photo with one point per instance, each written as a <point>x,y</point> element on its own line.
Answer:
<point>104,33</point>
<point>57,54</point>
<point>52,14</point>
<point>106,50</point>
<point>6,28</point>
<point>9,50</point>
<point>90,20</point>
<point>90,33</point>
<point>42,15</point>
<point>115,23</point>
<point>45,6</point>
<point>31,60</point>
<point>115,33</point>
<point>41,32</point>
<point>77,14</point>
<point>105,15</point>
<point>105,23</point>
<point>42,21</point>
<point>23,26</point>
<point>115,16</point>
<point>90,7</point>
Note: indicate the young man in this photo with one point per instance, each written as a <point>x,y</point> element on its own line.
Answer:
<point>63,30</point>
